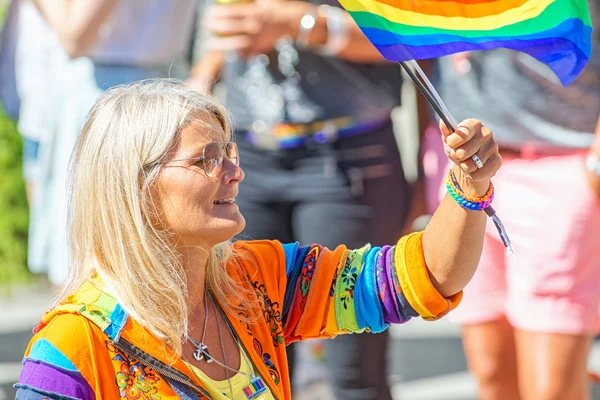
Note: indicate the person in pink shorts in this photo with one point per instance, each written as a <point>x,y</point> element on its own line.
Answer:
<point>528,319</point>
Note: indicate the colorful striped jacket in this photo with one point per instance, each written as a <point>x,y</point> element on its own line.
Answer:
<point>89,348</point>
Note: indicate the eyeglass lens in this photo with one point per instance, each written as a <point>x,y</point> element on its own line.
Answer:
<point>213,156</point>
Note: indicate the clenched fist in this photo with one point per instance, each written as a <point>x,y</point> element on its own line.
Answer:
<point>475,154</point>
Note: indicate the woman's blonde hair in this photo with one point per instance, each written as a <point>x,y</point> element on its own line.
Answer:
<point>128,133</point>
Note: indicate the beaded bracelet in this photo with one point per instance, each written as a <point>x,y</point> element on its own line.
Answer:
<point>478,203</point>
<point>469,202</point>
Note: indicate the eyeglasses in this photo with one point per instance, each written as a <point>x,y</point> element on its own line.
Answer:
<point>213,155</point>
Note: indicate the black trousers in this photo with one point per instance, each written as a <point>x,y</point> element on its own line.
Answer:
<point>352,191</point>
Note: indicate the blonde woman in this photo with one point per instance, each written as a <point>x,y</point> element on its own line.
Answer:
<point>160,305</point>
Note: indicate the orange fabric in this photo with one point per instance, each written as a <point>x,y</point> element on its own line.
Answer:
<point>76,328</point>
<point>86,347</point>
<point>262,262</point>
<point>415,281</point>
<point>310,325</point>
<point>265,266</point>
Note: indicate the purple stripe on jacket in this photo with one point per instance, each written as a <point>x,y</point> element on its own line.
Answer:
<point>38,375</point>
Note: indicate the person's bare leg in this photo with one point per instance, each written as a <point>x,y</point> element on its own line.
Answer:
<point>491,357</point>
<point>552,366</point>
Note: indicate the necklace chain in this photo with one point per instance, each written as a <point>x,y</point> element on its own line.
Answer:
<point>202,350</point>
<point>223,349</point>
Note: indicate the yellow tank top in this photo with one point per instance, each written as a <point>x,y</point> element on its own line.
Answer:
<point>240,384</point>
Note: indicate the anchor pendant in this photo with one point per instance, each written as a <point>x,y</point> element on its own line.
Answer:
<point>202,353</point>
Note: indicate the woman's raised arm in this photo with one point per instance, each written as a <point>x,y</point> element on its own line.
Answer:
<point>453,240</point>
<point>76,22</point>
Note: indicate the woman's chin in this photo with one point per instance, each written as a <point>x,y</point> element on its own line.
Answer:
<point>239,225</point>
<point>228,228</point>
<point>215,231</point>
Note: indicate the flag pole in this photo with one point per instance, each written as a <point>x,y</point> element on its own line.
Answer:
<point>426,88</point>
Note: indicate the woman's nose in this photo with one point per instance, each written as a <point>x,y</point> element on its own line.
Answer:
<point>232,171</point>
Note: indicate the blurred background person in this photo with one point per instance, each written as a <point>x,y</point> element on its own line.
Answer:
<point>107,42</point>
<point>39,61</point>
<point>312,101</point>
<point>8,42</point>
<point>528,320</point>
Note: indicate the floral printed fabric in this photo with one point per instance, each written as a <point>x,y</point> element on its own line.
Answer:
<point>134,380</point>
<point>345,311</point>
<point>370,288</point>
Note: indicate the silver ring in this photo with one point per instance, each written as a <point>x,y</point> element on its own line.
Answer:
<point>477,161</point>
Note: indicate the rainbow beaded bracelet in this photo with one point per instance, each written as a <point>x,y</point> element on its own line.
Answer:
<point>469,202</point>
<point>478,203</point>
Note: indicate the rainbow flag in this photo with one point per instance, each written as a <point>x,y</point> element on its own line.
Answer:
<point>555,32</point>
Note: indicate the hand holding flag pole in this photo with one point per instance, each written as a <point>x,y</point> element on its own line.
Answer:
<point>428,90</point>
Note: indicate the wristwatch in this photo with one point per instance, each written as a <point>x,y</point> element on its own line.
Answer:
<point>337,30</point>
<point>593,164</point>
<point>307,23</point>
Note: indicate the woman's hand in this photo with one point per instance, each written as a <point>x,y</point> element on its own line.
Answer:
<point>201,84</point>
<point>253,28</point>
<point>206,72</point>
<point>472,138</point>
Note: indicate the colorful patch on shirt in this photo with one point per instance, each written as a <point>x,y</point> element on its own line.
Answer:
<point>118,318</point>
<point>43,350</point>
<point>295,267</point>
<point>308,271</point>
<point>98,306</point>
<point>344,306</point>
<point>331,327</point>
<point>99,312</point>
<point>369,313</point>
<point>43,377</point>
<point>380,274</point>
<point>301,291</point>
<point>291,252</point>
<point>405,310</point>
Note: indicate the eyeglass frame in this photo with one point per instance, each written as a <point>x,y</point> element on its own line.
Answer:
<point>223,149</point>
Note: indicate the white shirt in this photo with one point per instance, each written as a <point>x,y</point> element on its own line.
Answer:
<point>39,58</point>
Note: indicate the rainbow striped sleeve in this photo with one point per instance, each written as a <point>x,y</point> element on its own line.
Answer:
<point>555,32</point>
<point>331,292</point>
<point>48,373</point>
